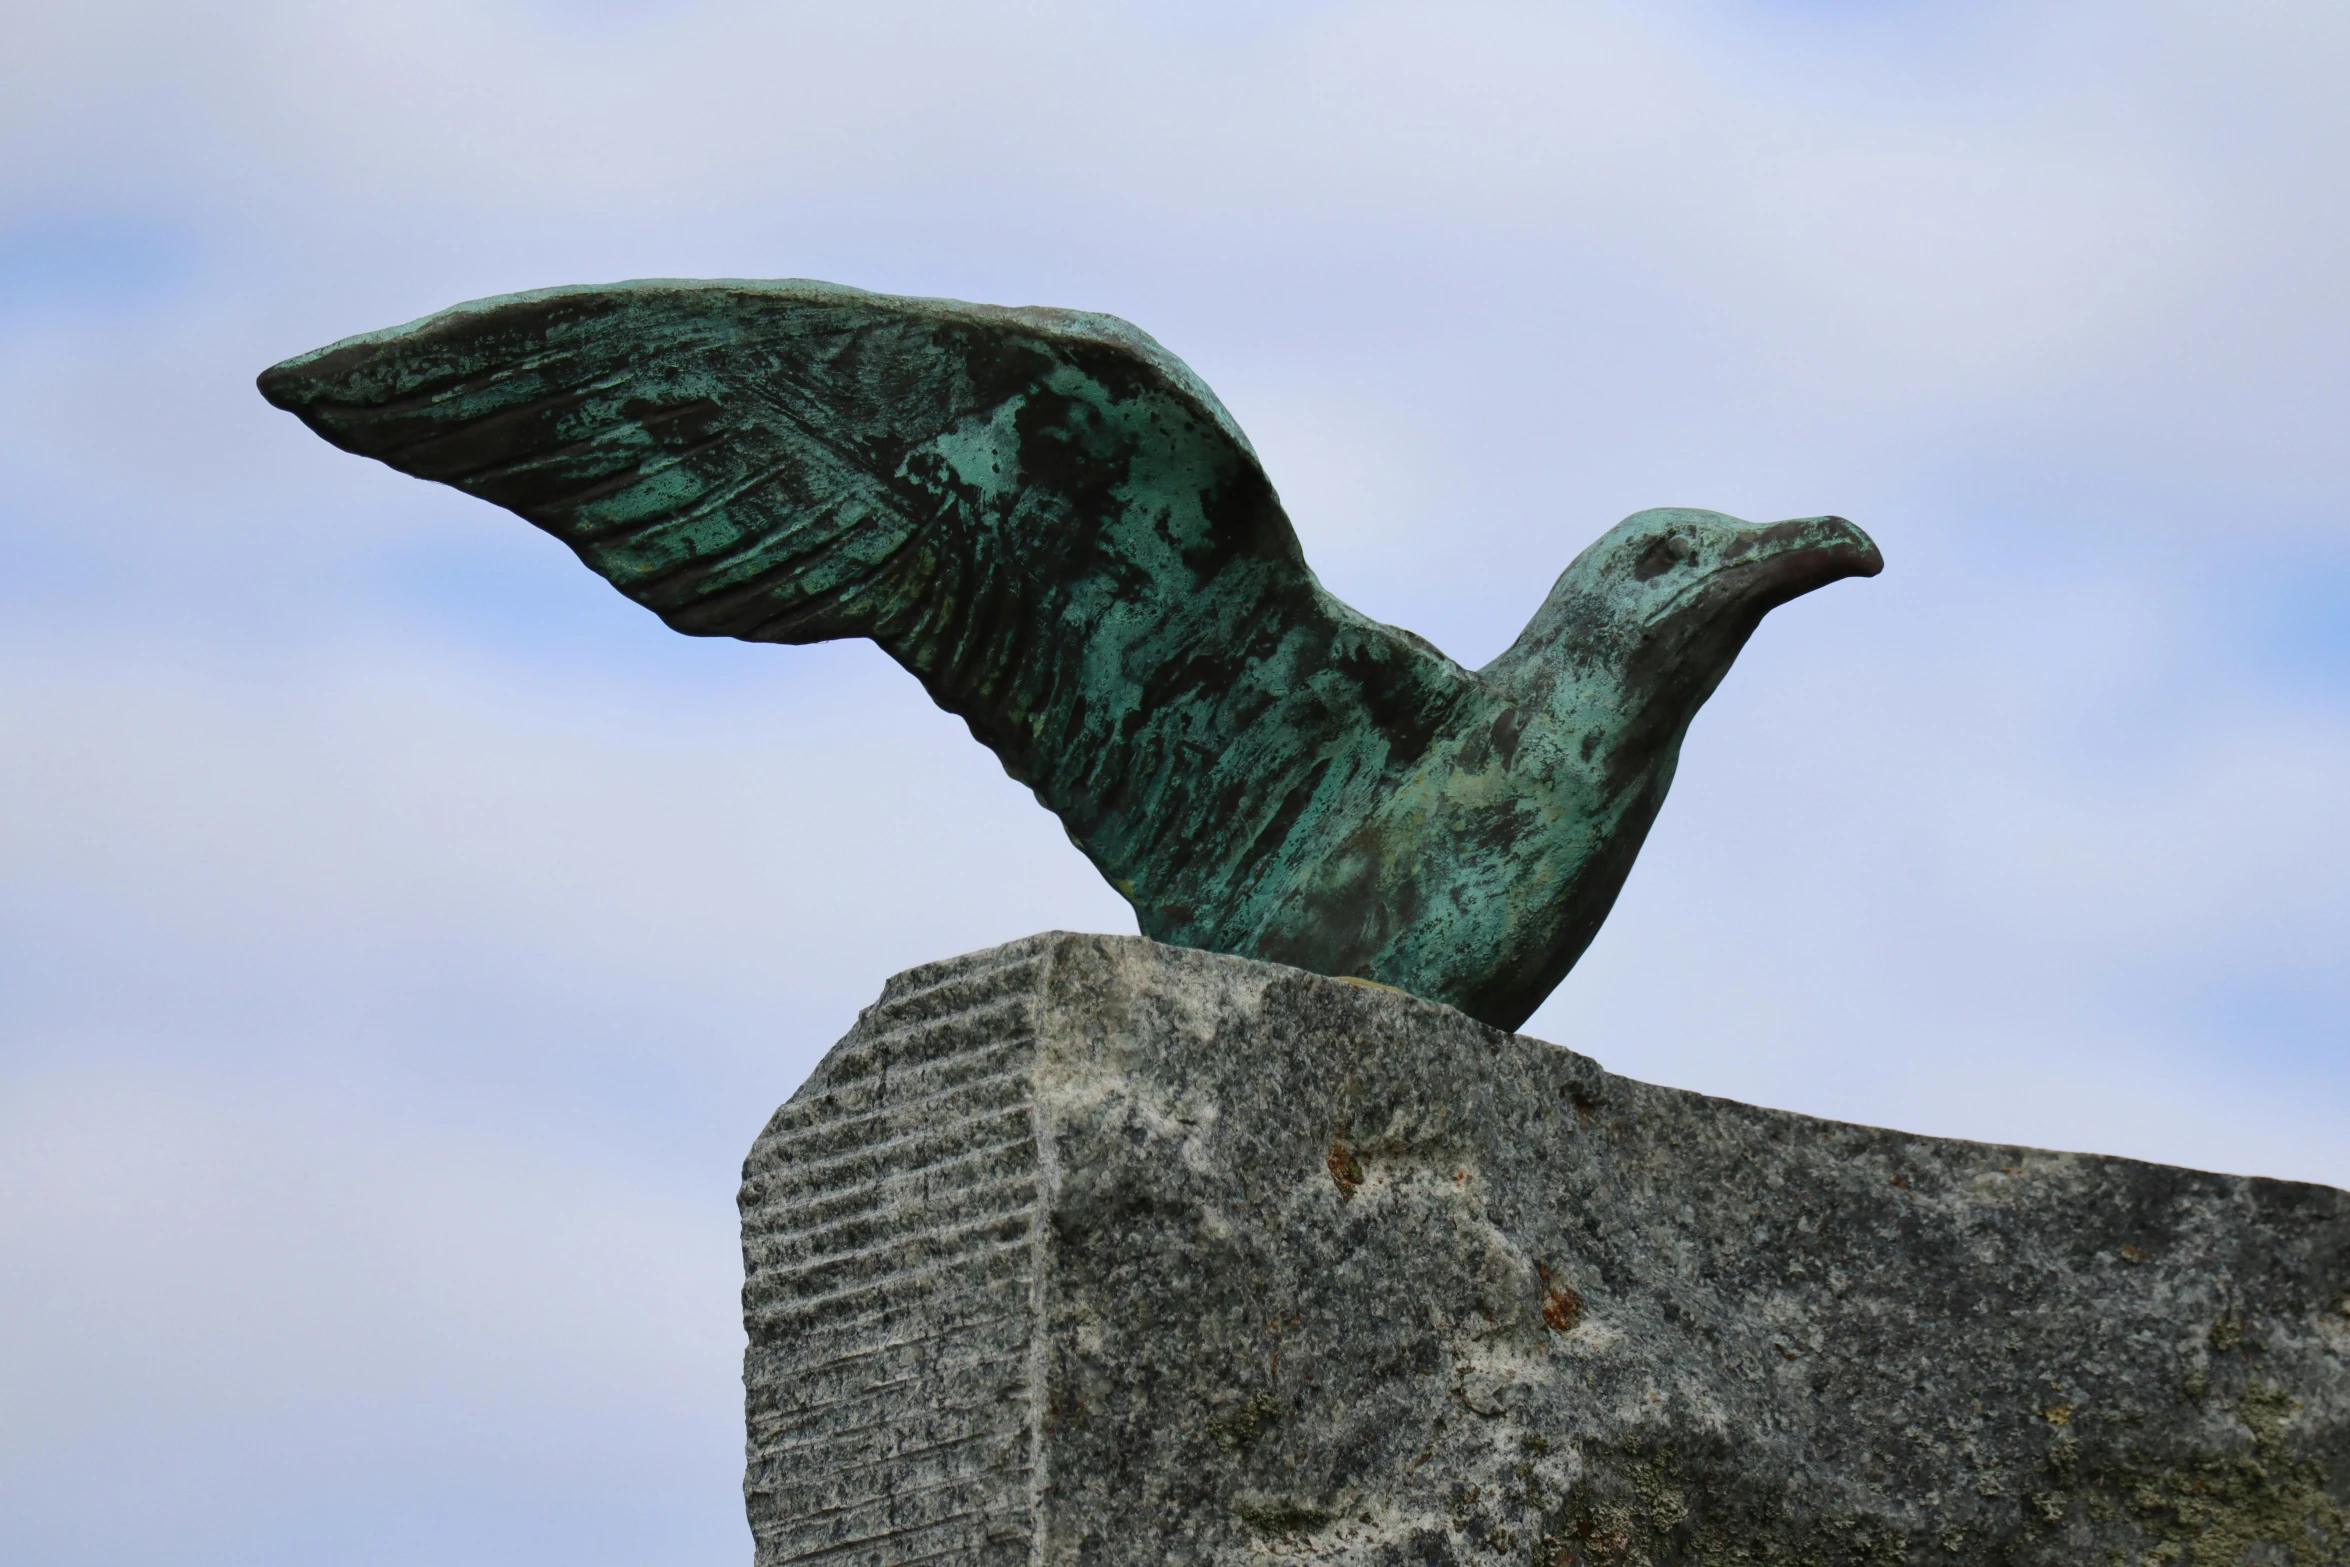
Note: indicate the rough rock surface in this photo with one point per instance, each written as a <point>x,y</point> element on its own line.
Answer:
<point>1086,1249</point>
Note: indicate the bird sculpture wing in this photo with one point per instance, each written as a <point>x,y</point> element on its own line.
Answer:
<point>1042,514</point>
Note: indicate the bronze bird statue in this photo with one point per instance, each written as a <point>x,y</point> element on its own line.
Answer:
<point>1056,527</point>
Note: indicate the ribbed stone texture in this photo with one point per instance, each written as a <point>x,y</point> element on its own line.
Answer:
<point>1086,1249</point>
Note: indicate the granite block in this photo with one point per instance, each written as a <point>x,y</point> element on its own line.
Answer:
<point>1091,1250</point>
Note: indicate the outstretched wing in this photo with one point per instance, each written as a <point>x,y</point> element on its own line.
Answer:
<point>1042,514</point>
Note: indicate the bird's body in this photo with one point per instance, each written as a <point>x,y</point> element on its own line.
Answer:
<point>1058,529</point>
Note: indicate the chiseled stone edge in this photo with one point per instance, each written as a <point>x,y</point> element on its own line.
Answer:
<point>888,1228</point>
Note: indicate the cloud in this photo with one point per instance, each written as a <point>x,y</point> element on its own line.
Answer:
<point>383,1040</point>
<point>252,1303</point>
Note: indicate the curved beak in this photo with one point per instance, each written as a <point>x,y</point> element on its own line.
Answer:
<point>1780,561</point>
<point>1763,567</point>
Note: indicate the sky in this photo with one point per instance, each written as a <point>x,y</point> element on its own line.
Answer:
<point>402,936</point>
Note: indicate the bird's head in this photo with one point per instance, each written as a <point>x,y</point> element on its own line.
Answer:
<point>1660,604</point>
<point>1690,586</point>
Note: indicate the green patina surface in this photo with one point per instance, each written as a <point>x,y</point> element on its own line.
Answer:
<point>1057,528</point>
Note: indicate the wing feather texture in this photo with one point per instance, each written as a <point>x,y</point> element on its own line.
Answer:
<point>1042,514</point>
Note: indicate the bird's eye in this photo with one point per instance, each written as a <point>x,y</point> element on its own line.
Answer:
<point>1663,556</point>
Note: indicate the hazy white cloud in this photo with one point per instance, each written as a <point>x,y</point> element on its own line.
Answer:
<point>368,813</point>
<point>241,1303</point>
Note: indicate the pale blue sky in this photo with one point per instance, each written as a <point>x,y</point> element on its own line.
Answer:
<point>401,936</point>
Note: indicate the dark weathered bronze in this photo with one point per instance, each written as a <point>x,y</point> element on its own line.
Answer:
<point>1056,527</point>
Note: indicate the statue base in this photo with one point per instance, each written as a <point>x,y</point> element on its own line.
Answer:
<point>1087,1249</point>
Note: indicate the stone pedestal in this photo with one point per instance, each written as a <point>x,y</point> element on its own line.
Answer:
<point>1086,1249</point>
